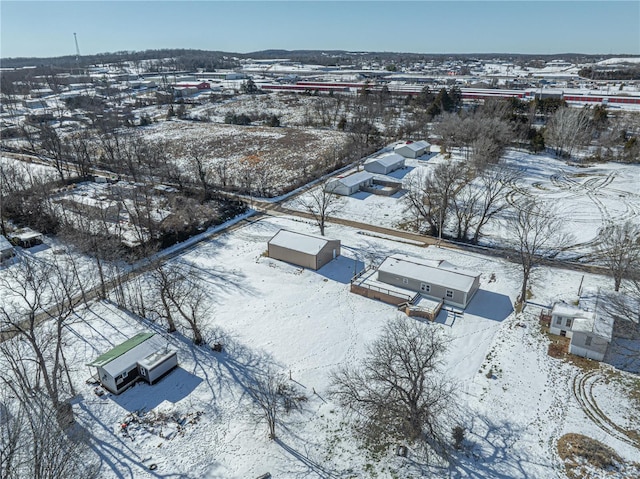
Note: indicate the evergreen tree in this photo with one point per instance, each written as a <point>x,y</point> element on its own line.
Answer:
<point>456,98</point>
<point>274,121</point>
<point>443,100</point>
<point>249,87</point>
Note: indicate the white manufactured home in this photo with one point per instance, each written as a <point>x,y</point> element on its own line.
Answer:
<point>142,357</point>
<point>437,280</point>
<point>308,251</point>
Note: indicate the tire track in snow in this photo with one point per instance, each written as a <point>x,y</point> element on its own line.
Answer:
<point>582,387</point>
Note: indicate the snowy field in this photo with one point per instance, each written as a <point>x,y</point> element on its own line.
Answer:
<point>202,423</point>
<point>20,175</point>
<point>586,197</point>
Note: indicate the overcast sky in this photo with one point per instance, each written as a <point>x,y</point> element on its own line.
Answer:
<point>30,28</point>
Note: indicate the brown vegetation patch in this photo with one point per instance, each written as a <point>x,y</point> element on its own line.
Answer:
<point>286,157</point>
<point>585,458</point>
<point>559,349</point>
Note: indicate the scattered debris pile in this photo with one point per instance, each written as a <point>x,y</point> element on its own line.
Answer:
<point>139,424</point>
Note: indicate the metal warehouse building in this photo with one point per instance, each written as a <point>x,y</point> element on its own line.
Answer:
<point>384,164</point>
<point>304,250</point>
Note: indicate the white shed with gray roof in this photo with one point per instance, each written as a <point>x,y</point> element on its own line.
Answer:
<point>589,325</point>
<point>384,164</point>
<point>349,185</point>
<point>308,251</point>
<point>412,149</point>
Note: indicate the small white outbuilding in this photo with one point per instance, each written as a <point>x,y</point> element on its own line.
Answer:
<point>6,250</point>
<point>412,149</point>
<point>349,185</point>
<point>384,164</point>
<point>588,325</point>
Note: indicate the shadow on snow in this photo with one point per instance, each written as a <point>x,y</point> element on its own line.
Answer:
<point>174,387</point>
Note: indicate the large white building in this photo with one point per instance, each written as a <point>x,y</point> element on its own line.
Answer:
<point>412,149</point>
<point>384,164</point>
<point>308,251</point>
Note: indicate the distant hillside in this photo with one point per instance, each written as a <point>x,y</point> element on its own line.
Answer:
<point>190,59</point>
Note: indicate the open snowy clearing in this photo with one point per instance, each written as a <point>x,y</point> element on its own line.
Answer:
<point>21,175</point>
<point>271,313</point>
<point>586,197</point>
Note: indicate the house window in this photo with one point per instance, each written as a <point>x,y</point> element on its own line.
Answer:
<point>425,287</point>
<point>449,294</point>
<point>568,322</point>
<point>559,320</point>
<point>405,281</point>
<point>587,341</point>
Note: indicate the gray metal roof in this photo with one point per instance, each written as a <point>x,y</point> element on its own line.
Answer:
<point>355,179</point>
<point>308,244</point>
<point>389,159</point>
<point>442,274</point>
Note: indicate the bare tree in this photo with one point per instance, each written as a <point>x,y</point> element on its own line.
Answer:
<point>37,447</point>
<point>180,296</point>
<point>482,134</point>
<point>273,394</point>
<point>496,182</point>
<point>202,171</point>
<point>265,394</point>
<point>55,149</point>
<point>11,426</point>
<point>465,207</point>
<point>619,250</point>
<point>398,391</point>
<point>190,302</point>
<point>538,235</point>
<point>78,146</point>
<point>567,129</point>
<point>430,197</point>
<point>40,301</point>
<point>321,204</point>
<point>163,279</point>
<point>221,170</point>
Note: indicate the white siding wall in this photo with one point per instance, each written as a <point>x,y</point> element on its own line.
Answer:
<point>563,325</point>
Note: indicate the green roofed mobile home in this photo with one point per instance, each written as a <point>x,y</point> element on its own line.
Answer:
<point>144,356</point>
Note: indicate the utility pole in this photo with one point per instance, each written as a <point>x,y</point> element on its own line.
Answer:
<point>75,37</point>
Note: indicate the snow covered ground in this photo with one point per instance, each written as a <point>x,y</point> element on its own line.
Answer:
<point>270,313</point>
<point>19,174</point>
<point>586,197</point>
